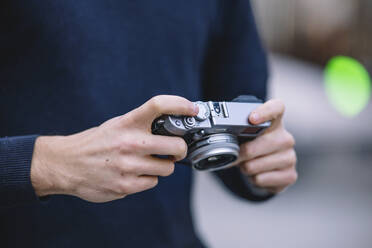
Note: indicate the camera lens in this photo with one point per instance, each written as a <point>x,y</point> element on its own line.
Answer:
<point>215,151</point>
<point>214,162</point>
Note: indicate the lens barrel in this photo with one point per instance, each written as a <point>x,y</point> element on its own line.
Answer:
<point>214,152</point>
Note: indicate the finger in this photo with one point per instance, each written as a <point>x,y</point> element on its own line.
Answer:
<point>266,144</point>
<point>142,183</point>
<point>280,178</point>
<point>269,111</point>
<point>149,144</point>
<point>274,161</point>
<point>164,104</point>
<point>152,166</point>
<point>166,145</point>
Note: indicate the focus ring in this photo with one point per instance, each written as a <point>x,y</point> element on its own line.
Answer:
<point>216,151</point>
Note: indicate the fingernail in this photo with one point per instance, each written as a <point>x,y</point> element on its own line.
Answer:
<point>255,117</point>
<point>196,109</point>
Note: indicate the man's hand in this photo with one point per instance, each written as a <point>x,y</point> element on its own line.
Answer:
<point>270,159</point>
<point>113,160</point>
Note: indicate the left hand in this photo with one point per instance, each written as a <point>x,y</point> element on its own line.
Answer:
<point>270,159</point>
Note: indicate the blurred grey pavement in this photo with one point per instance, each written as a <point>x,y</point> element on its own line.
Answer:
<point>331,204</point>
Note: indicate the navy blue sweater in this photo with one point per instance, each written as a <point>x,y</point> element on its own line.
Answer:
<point>69,65</point>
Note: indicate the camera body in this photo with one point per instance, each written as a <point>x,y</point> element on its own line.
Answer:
<point>214,135</point>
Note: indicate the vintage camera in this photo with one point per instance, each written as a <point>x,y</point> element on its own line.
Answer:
<point>214,135</point>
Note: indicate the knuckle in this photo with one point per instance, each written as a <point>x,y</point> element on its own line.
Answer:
<point>169,170</point>
<point>181,147</point>
<point>121,188</point>
<point>248,150</point>
<point>289,140</point>
<point>156,103</point>
<point>115,168</point>
<point>258,180</point>
<point>131,145</point>
<point>128,169</point>
<point>278,104</point>
<point>134,185</point>
<point>116,145</point>
<point>124,145</point>
<point>292,140</point>
<point>249,168</point>
<point>128,166</point>
<point>188,108</point>
<point>154,182</point>
<point>270,108</point>
<point>243,149</point>
<point>292,178</point>
<point>292,158</point>
<point>281,105</point>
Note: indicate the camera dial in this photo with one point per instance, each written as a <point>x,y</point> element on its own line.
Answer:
<point>204,111</point>
<point>189,121</point>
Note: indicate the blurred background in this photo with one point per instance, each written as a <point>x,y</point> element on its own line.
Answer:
<point>331,204</point>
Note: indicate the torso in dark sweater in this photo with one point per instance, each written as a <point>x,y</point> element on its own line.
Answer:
<point>66,66</point>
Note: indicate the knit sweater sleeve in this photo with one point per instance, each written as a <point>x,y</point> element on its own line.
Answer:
<point>15,167</point>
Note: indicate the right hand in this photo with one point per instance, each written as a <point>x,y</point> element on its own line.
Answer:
<point>113,160</point>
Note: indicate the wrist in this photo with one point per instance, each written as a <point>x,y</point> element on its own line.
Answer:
<point>44,166</point>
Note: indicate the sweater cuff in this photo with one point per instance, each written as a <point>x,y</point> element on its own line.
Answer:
<point>15,170</point>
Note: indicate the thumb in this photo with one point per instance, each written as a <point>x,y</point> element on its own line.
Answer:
<point>164,104</point>
<point>269,111</point>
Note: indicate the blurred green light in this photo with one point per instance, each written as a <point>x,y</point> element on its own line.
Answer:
<point>348,85</point>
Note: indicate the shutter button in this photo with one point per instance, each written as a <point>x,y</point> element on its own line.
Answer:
<point>204,111</point>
